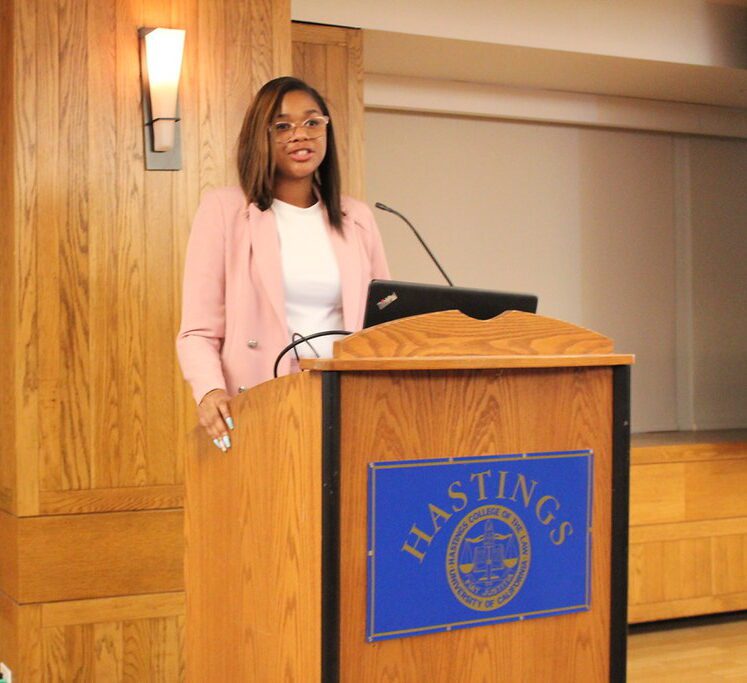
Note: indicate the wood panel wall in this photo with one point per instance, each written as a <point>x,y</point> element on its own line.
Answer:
<point>7,249</point>
<point>100,406</point>
<point>94,412</point>
<point>330,58</point>
<point>117,639</point>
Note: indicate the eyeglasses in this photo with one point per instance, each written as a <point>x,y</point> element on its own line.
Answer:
<point>313,127</point>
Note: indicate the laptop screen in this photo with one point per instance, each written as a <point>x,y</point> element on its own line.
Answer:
<point>390,300</point>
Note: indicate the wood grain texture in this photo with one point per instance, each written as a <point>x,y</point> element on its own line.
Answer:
<point>30,647</point>
<point>688,574</point>
<point>213,160</point>
<point>70,557</point>
<point>240,49</point>
<point>145,648</point>
<point>253,527</point>
<point>20,639</point>
<point>8,631</point>
<point>703,653</point>
<point>318,34</point>
<point>654,501</point>
<point>463,362</point>
<point>330,59</point>
<point>91,258</point>
<point>475,413</point>
<point>102,130</point>
<point>451,333</point>
<point>673,570</point>
<point>663,447</point>
<point>128,608</point>
<point>186,188</point>
<point>128,264</point>
<point>49,207</point>
<point>118,639</point>
<point>716,489</point>
<point>282,49</point>
<point>70,379</point>
<point>688,534</point>
<point>7,265</point>
<point>260,25</point>
<point>93,266</point>
<point>28,116</point>
<point>687,607</point>
<point>111,500</point>
<point>356,120</point>
<point>688,491</point>
<point>162,295</point>
<point>729,560</point>
<point>9,570</point>
<point>708,528</point>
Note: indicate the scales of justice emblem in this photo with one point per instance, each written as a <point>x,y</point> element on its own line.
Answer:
<point>488,557</point>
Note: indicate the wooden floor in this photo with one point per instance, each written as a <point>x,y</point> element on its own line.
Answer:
<point>694,652</point>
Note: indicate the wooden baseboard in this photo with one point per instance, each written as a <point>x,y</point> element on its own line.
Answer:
<point>677,609</point>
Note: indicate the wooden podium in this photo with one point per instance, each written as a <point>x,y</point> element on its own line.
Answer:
<point>276,528</point>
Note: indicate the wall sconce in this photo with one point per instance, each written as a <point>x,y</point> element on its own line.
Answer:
<point>161,51</point>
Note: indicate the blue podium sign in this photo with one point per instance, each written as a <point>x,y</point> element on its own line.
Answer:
<point>461,542</point>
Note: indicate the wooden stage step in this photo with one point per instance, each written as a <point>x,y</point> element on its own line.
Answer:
<point>688,524</point>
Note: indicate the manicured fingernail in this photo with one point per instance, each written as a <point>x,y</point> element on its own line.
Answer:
<point>218,444</point>
<point>227,441</point>
<point>229,422</point>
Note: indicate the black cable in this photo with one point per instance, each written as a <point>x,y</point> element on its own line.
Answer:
<point>295,348</point>
<point>308,337</point>
<point>300,340</point>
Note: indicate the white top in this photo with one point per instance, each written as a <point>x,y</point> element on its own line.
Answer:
<point>311,277</point>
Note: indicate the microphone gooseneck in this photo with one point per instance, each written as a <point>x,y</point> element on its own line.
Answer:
<point>384,207</point>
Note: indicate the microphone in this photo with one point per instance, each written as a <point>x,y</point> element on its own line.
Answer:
<point>384,207</point>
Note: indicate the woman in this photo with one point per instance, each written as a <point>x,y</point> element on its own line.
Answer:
<point>281,255</point>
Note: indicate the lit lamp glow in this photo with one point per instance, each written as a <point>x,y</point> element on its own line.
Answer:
<point>162,50</point>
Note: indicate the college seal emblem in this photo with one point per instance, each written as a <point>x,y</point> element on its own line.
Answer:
<point>475,540</point>
<point>488,557</point>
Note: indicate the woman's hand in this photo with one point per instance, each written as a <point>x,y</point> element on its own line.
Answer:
<point>216,418</point>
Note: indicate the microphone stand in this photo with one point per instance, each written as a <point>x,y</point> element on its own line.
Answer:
<point>384,207</point>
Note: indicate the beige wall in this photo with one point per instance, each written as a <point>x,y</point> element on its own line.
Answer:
<point>719,295</point>
<point>684,31</point>
<point>583,217</point>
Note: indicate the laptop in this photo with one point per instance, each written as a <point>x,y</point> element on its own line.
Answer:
<point>390,300</point>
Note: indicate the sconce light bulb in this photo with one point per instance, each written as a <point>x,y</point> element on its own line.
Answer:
<point>164,49</point>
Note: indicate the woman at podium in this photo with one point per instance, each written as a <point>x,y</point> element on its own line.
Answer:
<point>283,254</point>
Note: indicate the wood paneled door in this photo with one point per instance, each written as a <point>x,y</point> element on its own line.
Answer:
<point>330,59</point>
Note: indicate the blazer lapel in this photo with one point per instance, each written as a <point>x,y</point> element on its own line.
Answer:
<point>344,247</point>
<point>266,248</point>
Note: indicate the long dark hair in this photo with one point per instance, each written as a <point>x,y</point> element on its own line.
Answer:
<point>256,153</point>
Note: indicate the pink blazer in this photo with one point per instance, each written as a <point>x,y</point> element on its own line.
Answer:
<point>233,310</point>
